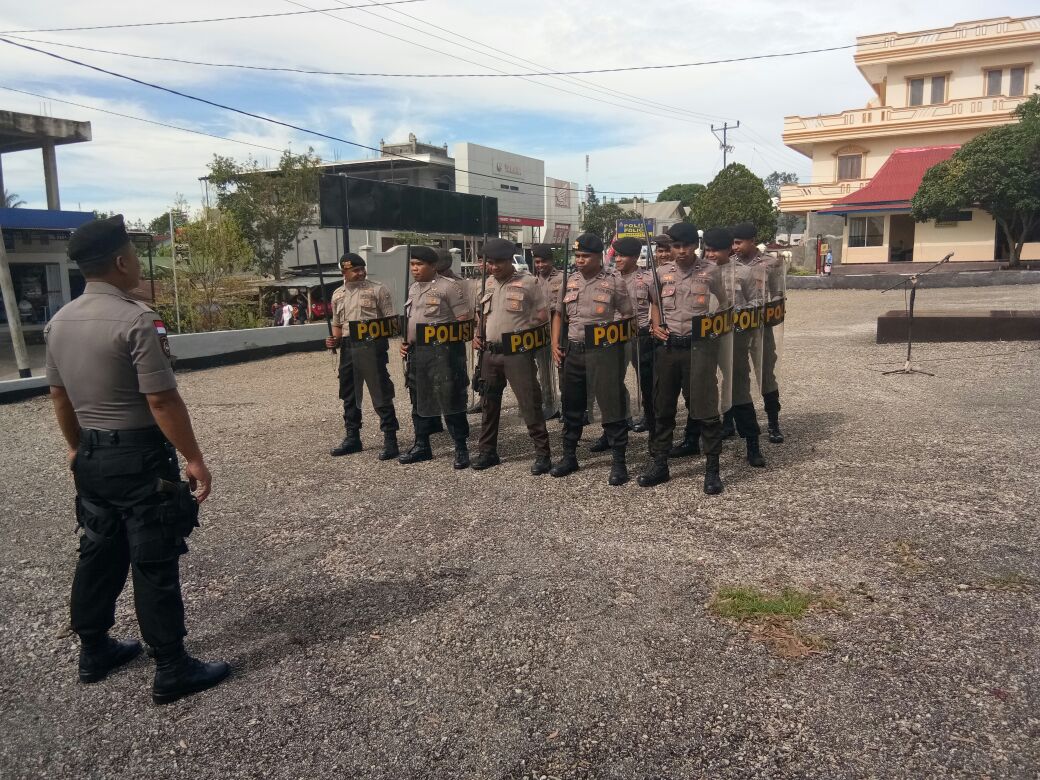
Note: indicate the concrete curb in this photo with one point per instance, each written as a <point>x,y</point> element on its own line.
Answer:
<point>882,281</point>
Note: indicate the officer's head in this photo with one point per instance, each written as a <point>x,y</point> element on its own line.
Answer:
<point>102,250</point>
<point>744,236</point>
<point>588,254</point>
<point>498,254</point>
<point>543,259</point>
<point>684,242</point>
<point>423,263</point>
<point>443,260</point>
<point>718,244</point>
<point>353,267</point>
<point>663,248</point>
<point>626,254</point>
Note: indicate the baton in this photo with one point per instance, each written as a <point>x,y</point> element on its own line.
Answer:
<point>321,279</point>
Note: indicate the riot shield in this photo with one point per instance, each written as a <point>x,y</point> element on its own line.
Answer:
<point>608,347</point>
<point>366,345</point>
<point>527,359</point>
<point>439,356</point>
<point>711,351</point>
<point>749,310</point>
<point>773,324</point>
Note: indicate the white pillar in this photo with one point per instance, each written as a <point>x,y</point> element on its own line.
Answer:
<point>14,317</point>
<point>50,177</point>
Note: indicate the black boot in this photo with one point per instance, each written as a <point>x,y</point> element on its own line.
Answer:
<point>98,658</point>
<point>600,445</point>
<point>639,426</point>
<point>568,464</point>
<point>351,443</point>
<point>618,469</point>
<point>729,428</point>
<point>461,455</point>
<point>390,449</point>
<point>419,452</point>
<point>485,460</point>
<point>775,434</point>
<point>754,454</point>
<point>655,473</point>
<point>177,674</point>
<point>712,480</point>
<point>542,465</point>
<point>690,445</point>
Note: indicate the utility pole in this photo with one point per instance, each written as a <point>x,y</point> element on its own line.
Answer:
<point>726,149</point>
<point>173,265</point>
<point>14,317</point>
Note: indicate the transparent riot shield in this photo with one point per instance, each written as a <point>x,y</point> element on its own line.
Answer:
<point>441,379</point>
<point>749,307</point>
<point>529,369</point>
<point>608,348</point>
<point>774,311</point>
<point>471,291</point>
<point>711,350</point>
<point>366,347</point>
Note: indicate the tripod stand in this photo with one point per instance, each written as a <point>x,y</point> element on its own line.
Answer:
<point>912,281</point>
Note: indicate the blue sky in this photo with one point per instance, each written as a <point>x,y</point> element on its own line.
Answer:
<point>138,168</point>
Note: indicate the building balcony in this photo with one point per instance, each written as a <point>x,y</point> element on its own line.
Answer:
<point>800,133</point>
<point>813,197</point>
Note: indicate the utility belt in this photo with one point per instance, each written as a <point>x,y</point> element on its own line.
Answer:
<point>95,438</point>
<point>679,342</point>
<point>644,332</point>
<point>177,513</point>
<point>575,346</point>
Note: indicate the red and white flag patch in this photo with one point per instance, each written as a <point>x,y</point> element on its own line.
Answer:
<point>159,327</point>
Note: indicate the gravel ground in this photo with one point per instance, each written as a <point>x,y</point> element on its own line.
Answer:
<point>393,622</point>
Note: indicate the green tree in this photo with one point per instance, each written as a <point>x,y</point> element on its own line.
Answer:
<point>736,195</point>
<point>12,201</point>
<point>998,171</point>
<point>601,218</point>
<point>636,199</point>
<point>778,179</point>
<point>686,194</point>
<point>270,206</point>
<point>218,254</point>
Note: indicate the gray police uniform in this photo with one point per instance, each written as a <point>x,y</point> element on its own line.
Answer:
<point>108,350</point>
<point>748,292</point>
<point>640,284</point>
<point>551,286</point>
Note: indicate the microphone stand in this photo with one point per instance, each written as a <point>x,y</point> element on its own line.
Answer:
<point>912,281</point>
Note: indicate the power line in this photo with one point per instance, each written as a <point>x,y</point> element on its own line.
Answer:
<point>202,21</point>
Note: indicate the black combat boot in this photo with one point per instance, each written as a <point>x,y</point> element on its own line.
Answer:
<point>618,469</point>
<point>177,674</point>
<point>461,456</point>
<point>485,460</point>
<point>390,449</point>
<point>639,426</point>
<point>97,658</point>
<point>542,465</point>
<point>568,464</point>
<point>754,454</point>
<point>419,452</point>
<point>712,480</point>
<point>776,436</point>
<point>729,427</point>
<point>655,473</point>
<point>351,443</point>
<point>600,445</point>
<point>690,445</point>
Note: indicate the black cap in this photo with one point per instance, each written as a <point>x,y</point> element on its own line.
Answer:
<point>352,259</point>
<point>423,254</point>
<point>628,246</point>
<point>684,233</point>
<point>718,238</point>
<point>745,231</point>
<point>498,249</point>
<point>543,251</point>
<point>663,239</point>
<point>589,242</point>
<point>98,240</point>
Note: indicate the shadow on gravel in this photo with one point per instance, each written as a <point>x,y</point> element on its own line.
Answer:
<point>316,614</point>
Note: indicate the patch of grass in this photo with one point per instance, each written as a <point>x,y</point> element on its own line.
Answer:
<point>795,270</point>
<point>1012,581</point>
<point>749,603</point>
<point>786,641</point>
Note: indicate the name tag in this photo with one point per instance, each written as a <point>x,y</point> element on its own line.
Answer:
<point>610,334</point>
<point>521,341</point>
<point>712,326</point>
<point>775,311</point>
<point>432,334</point>
<point>370,330</point>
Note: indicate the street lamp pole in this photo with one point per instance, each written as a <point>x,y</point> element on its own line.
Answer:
<point>173,264</point>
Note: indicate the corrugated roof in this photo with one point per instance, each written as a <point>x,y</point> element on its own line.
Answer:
<point>899,177</point>
<point>43,219</point>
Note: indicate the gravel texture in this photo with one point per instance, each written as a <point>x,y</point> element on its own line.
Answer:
<point>415,622</point>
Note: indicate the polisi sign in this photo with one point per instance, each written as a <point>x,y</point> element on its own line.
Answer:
<point>775,312</point>
<point>370,330</point>
<point>433,334</point>
<point>747,319</point>
<point>712,326</point>
<point>609,334</point>
<point>526,340</point>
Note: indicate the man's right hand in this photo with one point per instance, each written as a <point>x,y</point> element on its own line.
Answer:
<point>660,332</point>
<point>558,355</point>
<point>332,342</point>
<point>199,479</point>
<point>405,346</point>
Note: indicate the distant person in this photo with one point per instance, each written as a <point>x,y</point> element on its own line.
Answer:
<point>828,262</point>
<point>287,314</point>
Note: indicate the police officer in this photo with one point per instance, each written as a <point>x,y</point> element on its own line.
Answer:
<point>662,249</point>
<point>592,295</point>
<point>765,268</point>
<point>116,400</point>
<point>361,298</point>
<point>444,261</point>
<point>639,283</point>
<point>433,298</point>
<point>548,276</point>
<point>512,303</point>
<point>686,287</point>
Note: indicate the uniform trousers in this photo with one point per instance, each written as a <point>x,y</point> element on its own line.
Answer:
<point>355,365</point>
<point>746,345</point>
<point>521,372</point>
<point>444,391</point>
<point>770,386</point>
<point>643,362</point>
<point>674,369</point>
<point>127,528</point>
<point>610,395</point>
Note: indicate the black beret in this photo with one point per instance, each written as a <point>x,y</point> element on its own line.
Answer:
<point>443,259</point>
<point>718,238</point>
<point>589,242</point>
<point>423,254</point>
<point>97,240</point>
<point>498,249</point>
<point>352,259</point>
<point>543,251</point>
<point>745,231</point>
<point>663,239</point>
<point>628,246</point>
<point>684,233</point>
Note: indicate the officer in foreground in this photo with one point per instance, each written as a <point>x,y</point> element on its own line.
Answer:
<point>592,296</point>
<point>769,273</point>
<point>687,285</point>
<point>512,305</point>
<point>116,400</point>
<point>436,373</point>
<point>361,360</point>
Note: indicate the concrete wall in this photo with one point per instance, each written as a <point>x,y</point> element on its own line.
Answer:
<point>974,240</point>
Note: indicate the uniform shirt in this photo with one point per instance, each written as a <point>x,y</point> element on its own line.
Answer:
<point>441,300</point>
<point>516,304</point>
<point>765,276</point>
<point>588,301</point>
<point>364,300</point>
<point>688,294</point>
<point>107,350</point>
<point>639,283</point>
<point>551,286</point>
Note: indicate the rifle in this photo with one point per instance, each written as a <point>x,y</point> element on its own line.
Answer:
<point>321,279</point>
<point>483,324</point>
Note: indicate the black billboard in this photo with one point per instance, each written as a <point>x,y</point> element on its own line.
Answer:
<point>366,204</point>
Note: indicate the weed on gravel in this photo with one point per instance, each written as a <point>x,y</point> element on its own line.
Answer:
<point>770,617</point>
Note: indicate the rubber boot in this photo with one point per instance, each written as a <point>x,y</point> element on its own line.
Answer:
<point>98,658</point>
<point>351,443</point>
<point>390,449</point>
<point>754,454</point>
<point>655,473</point>
<point>712,480</point>
<point>419,452</point>
<point>618,469</point>
<point>568,464</point>
<point>177,674</point>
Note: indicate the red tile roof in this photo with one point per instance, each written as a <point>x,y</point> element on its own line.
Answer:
<point>899,177</point>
